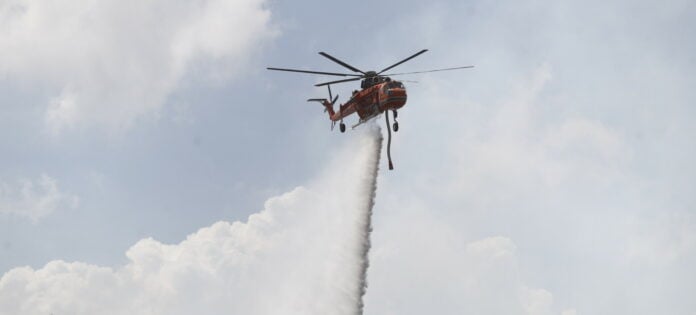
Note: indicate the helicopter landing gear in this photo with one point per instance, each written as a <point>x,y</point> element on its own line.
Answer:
<point>342,127</point>
<point>395,126</point>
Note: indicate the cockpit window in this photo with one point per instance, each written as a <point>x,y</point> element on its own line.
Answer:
<point>395,84</point>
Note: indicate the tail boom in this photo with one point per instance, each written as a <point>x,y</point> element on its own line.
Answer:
<point>328,106</point>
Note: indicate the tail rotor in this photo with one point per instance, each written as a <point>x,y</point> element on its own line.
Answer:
<point>328,104</point>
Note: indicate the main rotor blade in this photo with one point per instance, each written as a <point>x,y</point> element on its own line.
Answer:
<point>338,81</point>
<point>436,70</point>
<point>332,58</point>
<point>402,61</point>
<point>316,72</point>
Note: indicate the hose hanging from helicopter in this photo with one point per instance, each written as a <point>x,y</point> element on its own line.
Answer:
<point>386,117</point>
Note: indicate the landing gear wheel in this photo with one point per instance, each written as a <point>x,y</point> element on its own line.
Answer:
<point>342,127</point>
<point>395,126</point>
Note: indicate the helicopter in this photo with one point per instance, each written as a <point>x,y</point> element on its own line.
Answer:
<point>378,94</point>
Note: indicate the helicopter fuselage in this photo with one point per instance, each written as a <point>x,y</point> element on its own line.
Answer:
<point>373,100</point>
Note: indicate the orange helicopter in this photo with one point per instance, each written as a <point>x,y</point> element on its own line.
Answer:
<point>378,94</point>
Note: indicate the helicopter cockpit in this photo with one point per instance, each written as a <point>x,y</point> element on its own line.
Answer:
<point>370,81</point>
<point>395,85</point>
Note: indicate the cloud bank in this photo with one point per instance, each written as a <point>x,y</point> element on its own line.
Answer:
<point>592,225</point>
<point>112,62</point>
<point>303,254</point>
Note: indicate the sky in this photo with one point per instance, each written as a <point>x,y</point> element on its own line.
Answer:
<point>143,146</point>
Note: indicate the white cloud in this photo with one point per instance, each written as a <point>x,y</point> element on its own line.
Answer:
<point>423,263</point>
<point>516,145</point>
<point>561,184</point>
<point>34,199</point>
<point>112,62</point>
<point>571,172</point>
<point>301,255</point>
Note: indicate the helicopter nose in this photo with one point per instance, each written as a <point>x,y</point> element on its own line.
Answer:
<point>395,91</point>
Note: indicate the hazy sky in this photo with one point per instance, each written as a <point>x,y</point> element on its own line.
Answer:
<point>556,177</point>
